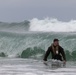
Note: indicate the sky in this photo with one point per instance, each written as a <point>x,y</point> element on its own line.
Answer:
<point>20,10</point>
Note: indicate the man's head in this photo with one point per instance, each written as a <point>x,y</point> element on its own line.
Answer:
<point>56,42</point>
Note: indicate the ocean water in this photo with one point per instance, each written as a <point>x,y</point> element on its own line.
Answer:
<point>18,66</point>
<point>23,45</point>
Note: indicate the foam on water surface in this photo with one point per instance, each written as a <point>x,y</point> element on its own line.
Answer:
<point>16,66</point>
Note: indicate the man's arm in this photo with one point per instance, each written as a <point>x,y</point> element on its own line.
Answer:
<point>63,54</point>
<point>47,54</point>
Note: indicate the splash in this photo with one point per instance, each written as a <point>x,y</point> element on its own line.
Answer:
<point>52,25</point>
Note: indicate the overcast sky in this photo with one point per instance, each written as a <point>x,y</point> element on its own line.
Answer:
<point>20,10</point>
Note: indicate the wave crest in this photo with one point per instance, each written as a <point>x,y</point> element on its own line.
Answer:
<point>52,25</point>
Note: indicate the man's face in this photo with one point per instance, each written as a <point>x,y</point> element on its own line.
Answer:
<point>56,43</point>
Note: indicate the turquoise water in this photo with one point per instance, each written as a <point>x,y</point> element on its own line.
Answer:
<point>34,44</point>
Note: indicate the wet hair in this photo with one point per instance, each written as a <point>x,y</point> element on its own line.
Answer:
<point>55,40</point>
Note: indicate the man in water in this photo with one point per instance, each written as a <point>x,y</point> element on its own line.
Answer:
<point>57,52</point>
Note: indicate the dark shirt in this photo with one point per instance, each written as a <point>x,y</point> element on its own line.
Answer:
<point>54,56</point>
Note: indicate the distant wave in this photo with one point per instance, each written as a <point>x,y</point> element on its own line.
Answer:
<point>15,27</point>
<point>45,25</point>
<point>52,25</point>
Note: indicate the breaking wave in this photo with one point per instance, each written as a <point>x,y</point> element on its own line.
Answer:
<point>45,25</point>
<point>30,39</point>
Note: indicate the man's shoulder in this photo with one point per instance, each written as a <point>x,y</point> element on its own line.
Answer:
<point>60,47</point>
<point>50,47</point>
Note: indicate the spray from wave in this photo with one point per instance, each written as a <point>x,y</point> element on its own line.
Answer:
<point>45,25</point>
<point>52,25</point>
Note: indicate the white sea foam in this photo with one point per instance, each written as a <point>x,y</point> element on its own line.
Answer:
<point>19,67</point>
<point>52,25</point>
<point>44,25</point>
